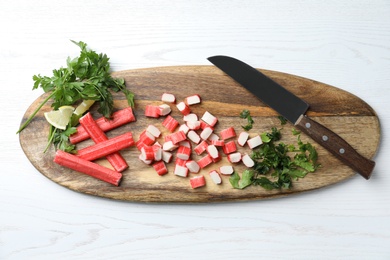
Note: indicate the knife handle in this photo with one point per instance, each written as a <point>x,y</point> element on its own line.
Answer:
<point>336,145</point>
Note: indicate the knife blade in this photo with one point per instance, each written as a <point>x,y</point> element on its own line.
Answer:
<point>293,109</point>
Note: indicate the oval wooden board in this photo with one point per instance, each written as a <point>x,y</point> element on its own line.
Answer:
<point>344,113</point>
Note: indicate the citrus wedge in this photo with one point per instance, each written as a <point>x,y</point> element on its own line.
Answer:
<point>59,118</point>
<point>84,106</point>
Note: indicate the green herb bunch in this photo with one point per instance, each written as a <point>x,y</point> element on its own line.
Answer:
<point>86,77</point>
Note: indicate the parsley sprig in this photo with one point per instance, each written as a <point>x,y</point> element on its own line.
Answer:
<point>86,77</point>
<point>275,167</point>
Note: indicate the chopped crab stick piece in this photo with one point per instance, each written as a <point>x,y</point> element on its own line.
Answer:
<point>152,111</point>
<point>167,156</point>
<point>170,123</point>
<point>215,177</point>
<point>167,97</point>
<point>213,137</point>
<point>193,125</point>
<point>90,168</point>
<point>144,160</point>
<point>229,147</point>
<point>247,160</point>
<point>227,133</point>
<point>169,146</point>
<point>105,148</point>
<point>180,162</point>
<point>197,181</point>
<point>193,166</point>
<point>183,152</point>
<point>254,142</point>
<point>209,119</point>
<point>190,117</point>
<point>147,153</point>
<point>219,143</point>
<point>226,170</point>
<point>242,138</point>
<point>98,136</point>
<point>212,151</point>
<point>119,118</point>
<point>200,148</point>
<point>181,171</point>
<point>160,168</point>
<point>153,130</point>
<point>183,108</point>
<point>203,162</point>
<point>184,128</point>
<point>157,151</point>
<point>206,132</point>
<point>192,100</point>
<point>176,137</point>
<point>164,109</point>
<point>193,136</point>
<point>146,138</point>
<point>234,157</point>
<point>186,143</point>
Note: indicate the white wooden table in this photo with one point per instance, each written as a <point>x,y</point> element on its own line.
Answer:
<point>341,43</point>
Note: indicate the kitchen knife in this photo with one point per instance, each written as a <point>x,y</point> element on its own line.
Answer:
<point>293,109</point>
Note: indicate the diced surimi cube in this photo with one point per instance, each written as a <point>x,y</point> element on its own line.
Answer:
<point>144,160</point>
<point>200,148</point>
<point>213,137</point>
<point>192,100</point>
<point>212,151</point>
<point>140,144</point>
<point>183,152</point>
<point>219,143</point>
<point>152,111</point>
<point>147,138</point>
<point>190,117</point>
<point>170,123</point>
<point>254,142</point>
<point>160,168</point>
<point>234,157</point>
<point>203,125</point>
<point>183,108</point>
<point>180,162</point>
<point>153,130</point>
<point>167,97</point>
<point>157,149</point>
<point>247,160</point>
<point>176,137</point>
<point>167,156</point>
<point>192,166</point>
<point>184,128</point>
<point>198,181</point>
<point>181,171</point>
<point>204,161</point>
<point>169,146</point>
<point>228,133</point>
<point>193,136</point>
<point>229,147</point>
<point>206,132</point>
<point>209,118</point>
<point>226,170</point>
<point>185,143</point>
<point>215,177</point>
<point>217,159</point>
<point>193,125</point>
<point>147,153</point>
<point>242,138</point>
<point>164,109</point>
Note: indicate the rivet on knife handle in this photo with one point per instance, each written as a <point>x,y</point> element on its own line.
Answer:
<point>336,145</point>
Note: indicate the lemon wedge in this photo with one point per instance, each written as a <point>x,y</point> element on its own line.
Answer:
<point>84,106</point>
<point>59,118</point>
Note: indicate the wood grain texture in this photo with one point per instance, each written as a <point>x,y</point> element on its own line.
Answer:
<point>344,113</point>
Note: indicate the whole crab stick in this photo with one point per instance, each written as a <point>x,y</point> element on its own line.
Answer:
<point>90,168</point>
<point>107,147</point>
<point>97,135</point>
<point>119,118</point>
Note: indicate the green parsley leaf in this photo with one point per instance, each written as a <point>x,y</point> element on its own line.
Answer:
<point>245,114</point>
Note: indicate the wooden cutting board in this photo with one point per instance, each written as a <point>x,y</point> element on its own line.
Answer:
<point>344,113</point>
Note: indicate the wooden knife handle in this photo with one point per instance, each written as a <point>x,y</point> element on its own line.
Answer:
<point>336,145</point>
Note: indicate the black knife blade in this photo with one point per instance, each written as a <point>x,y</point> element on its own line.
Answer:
<point>293,109</point>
